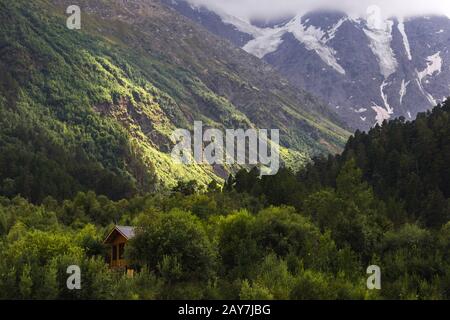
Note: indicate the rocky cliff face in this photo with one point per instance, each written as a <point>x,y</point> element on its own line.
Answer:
<point>367,69</point>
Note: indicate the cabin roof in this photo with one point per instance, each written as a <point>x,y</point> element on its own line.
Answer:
<point>126,231</point>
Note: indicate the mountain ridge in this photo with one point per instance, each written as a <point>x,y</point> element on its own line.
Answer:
<point>367,69</point>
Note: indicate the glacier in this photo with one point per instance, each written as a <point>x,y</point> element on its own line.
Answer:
<point>316,39</point>
<point>379,33</point>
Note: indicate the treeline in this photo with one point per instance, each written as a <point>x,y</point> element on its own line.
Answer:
<point>405,164</point>
<point>202,246</point>
<point>223,245</point>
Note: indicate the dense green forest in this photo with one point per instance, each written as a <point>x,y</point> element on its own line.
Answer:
<point>304,235</point>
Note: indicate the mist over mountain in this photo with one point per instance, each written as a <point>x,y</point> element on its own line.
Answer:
<point>274,9</point>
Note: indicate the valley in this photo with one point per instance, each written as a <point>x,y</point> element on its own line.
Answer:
<point>135,161</point>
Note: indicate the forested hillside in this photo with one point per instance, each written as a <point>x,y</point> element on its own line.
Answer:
<point>93,109</point>
<point>309,235</point>
<point>404,162</point>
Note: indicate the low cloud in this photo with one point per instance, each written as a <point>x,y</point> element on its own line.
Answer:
<point>247,9</point>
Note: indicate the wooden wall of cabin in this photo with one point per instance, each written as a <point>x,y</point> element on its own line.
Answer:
<point>117,251</point>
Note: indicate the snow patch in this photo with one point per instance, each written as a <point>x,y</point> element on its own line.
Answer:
<point>240,25</point>
<point>401,28</point>
<point>332,32</point>
<point>382,114</point>
<point>427,95</point>
<point>403,88</point>
<point>267,40</point>
<point>385,98</point>
<point>379,32</point>
<point>316,39</point>
<point>434,64</point>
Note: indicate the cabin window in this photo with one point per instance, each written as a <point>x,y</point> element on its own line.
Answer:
<point>121,251</point>
<point>114,253</point>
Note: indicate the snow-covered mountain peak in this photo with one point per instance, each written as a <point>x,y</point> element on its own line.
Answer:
<point>369,68</point>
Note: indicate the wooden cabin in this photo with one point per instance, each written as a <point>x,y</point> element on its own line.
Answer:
<point>117,240</point>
